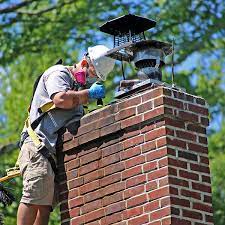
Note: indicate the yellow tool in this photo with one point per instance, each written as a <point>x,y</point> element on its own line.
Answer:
<point>11,173</point>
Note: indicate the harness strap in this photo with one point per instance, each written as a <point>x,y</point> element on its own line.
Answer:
<point>40,146</point>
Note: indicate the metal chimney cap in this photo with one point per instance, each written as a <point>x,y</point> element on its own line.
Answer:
<point>124,24</point>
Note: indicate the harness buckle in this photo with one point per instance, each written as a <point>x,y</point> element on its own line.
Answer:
<point>40,146</point>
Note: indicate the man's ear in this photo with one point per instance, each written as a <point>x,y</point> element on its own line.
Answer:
<point>84,63</point>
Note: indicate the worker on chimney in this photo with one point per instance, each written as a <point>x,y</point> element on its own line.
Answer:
<point>56,103</point>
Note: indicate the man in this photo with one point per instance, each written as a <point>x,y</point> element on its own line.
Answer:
<point>59,88</point>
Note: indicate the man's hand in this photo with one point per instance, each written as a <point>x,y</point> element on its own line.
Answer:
<point>96,91</point>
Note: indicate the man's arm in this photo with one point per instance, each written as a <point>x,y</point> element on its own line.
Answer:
<point>70,99</point>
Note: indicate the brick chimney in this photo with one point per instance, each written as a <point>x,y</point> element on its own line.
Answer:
<point>141,160</point>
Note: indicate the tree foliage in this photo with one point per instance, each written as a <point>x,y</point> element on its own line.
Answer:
<point>34,34</point>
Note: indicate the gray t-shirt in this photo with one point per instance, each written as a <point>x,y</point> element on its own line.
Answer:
<point>55,79</point>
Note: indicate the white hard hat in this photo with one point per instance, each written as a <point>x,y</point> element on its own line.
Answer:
<point>103,65</point>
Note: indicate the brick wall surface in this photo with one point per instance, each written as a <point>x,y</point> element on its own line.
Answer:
<point>143,160</point>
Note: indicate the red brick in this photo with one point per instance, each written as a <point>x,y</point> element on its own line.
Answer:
<point>204,121</point>
<point>196,128</point>
<point>173,102</point>
<point>158,153</point>
<point>93,196</point>
<point>129,213</point>
<point>151,206</point>
<point>165,202</point>
<point>190,194</point>
<point>94,215</point>
<point>138,200</point>
<point>160,214</point>
<point>111,159</point>
<point>89,187</point>
<point>113,188</point>
<point>206,179</point>
<point>199,168</point>
<point>109,150</point>
<point>86,128</point>
<point>154,134</point>
<point>209,218</point>
<point>88,207</point>
<point>73,164</point>
<point>70,144</point>
<point>111,219</point>
<point>78,221</point>
<point>129,102</point>
<point>207,199</point>
<point>134,181</point>
<point>179,182</point>
<point>187,155</point>
<point>138,160</point>
<point>71,175</point>
<point>118,196</point>
<point>139,220</point>
<point>131,172</point>
<point>131,121</point>
<point>116,207</point>
<point>125,113</point>
<point>73,193</point>
<point>159,193</point>
<point>201,187</point>
<point>202,207</point>
<point>133,141</point>
<point>106,121</point>
<point>198,109</point>
<point>177,162</point>
<point>180,202</point>
<point>154,113</point>
<point>163,181</point>
<point>161,142</point>
<point>158,173</point>
<point>76,202</point>
<point>75,212</point>
<point>144,107</point>
<point>88,137</point>
<point>88,168</point>
<point>130,132</point>
<point>189,175</point>
<point>130,152</point>
<point>203,140</point>
<point>153,93</point>
<point>188,116</point>
<point>148,146</point>
<point>150,166</point>
<point>114,168</point>
<point>176,142</point>
<point>192,214</point>
<point>175,123</point>
<point>75,183</point>
<point>186,135</point>
<point>90,157</point>
<point>110,179</point>
<point>110,129</point>
<point>177,221</point>
<point>197,148</point>
<point>95,175</point>
<point>131,192</point>
<point>151,185</point>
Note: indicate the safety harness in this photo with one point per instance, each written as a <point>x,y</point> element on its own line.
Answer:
<point>36,140</point>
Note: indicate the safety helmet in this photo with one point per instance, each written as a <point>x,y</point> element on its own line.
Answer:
<point>103,65</point>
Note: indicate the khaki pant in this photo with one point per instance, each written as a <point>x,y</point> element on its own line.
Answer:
<point>38,177</point>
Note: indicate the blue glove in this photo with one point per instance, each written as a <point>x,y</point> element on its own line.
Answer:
<point>96,91</point>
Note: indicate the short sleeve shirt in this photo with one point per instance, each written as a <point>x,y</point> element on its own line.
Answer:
<point>56,79</point>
